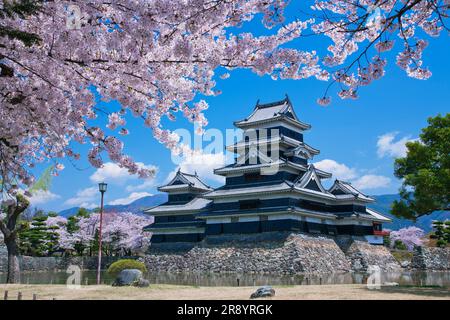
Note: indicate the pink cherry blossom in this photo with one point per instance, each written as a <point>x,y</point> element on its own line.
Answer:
<point>122,232</point>
<point>156,57</point>
<point>410,237</point>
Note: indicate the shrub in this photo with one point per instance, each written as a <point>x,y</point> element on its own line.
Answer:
<point>116,267</point>
<point>399,245</point>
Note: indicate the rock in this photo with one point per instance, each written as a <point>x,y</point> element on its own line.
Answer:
<point>128,277</point>
<point>363,256</point>
<point>391,284</point>
<point>263,292</point>
<point>405,264</point>
<point>142,283</point>
<point>431,259</point>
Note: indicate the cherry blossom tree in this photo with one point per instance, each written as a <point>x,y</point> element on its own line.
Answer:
<point>153,57</point>
<point>65,239</point>
<point>122,233</point>
<point>364,31</point>
<point>9,215</point>
<point>156,57</point>
<point>411,237</point>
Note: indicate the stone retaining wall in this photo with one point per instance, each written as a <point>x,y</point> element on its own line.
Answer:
<point>431,259</point>
<point>362,255</point>
<point>276,253</point>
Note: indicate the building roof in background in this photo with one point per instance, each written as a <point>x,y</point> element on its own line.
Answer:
<point>186,181</point>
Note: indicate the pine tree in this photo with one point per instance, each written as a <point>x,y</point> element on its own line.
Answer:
<point>441,233</point>
<point>39,239</point>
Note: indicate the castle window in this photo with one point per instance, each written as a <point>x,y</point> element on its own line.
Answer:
<point>252,177</point>
<point>377,227</point>
<point>248,204</point>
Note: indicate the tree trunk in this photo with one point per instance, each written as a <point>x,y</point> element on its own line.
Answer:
<point>13,260</point>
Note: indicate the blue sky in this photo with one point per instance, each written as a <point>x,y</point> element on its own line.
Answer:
<point>358,138</point>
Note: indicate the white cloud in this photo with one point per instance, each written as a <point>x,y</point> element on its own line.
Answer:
<point>84,198</point>
<point>203,164</point>
<point>386,146</point>
<point>342,172</point>
<point>371,181</point>
<point>339,170</point>
<point>147,184</point>
<point>42,196</point>
<point>112,173</point>
<point>132,197</point>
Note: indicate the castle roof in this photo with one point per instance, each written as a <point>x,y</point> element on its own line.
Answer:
<point>195,205</point>
<point>311,180</point>
<point>369,214</point>
<point>185,181</point>
<point>303,150</point>
<point>279,110</point>
<point>341,189</point>
<point>296,147</point>
<point>281,163</point>
<point>303,187</point>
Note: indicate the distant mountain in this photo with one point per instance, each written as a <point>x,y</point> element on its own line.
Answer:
<point>383,205</point>
<point>136,206</point>
<point>69,212</point>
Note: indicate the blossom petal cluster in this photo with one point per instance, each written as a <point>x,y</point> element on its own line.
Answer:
<point>411,237</point>
<point>156,57</point>
<point>121,231</point>
<point>153,57</point>
<point>363,32</point>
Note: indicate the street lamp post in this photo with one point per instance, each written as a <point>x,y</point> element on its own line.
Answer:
<point>102,188</point>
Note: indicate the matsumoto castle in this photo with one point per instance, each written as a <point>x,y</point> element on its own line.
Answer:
<point>269,187</point>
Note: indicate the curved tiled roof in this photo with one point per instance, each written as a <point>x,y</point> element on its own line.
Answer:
<point>196,204</point>
<point>346,188</point>
<point>273,111</point>
<point>184,180</point>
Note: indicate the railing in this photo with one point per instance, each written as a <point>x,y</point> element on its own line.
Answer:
<point>380,233</point>
<point>7,296</point>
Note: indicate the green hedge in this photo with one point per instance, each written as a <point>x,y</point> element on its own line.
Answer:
<point>115,268</point>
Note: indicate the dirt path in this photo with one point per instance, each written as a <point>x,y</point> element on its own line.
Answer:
<point>161,292</point>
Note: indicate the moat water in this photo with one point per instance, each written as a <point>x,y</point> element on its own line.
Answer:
<point>416,278</point>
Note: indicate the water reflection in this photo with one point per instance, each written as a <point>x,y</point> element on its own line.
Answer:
<point>233,279</point>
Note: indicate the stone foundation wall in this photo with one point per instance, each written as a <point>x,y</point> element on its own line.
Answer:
<point>362,255</point>
<point>281,253</point>
<point>276,253</point>
<point>431,259</point>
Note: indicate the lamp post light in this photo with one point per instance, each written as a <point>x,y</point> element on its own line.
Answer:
<point>102,188</point>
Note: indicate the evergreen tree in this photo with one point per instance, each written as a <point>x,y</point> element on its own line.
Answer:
<point>38,239</point>
<point>425,172</point>
<point>441,233</point>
